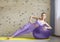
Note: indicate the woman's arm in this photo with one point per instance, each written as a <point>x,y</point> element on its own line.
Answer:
<point>49,27</point>
<point>34,17</point>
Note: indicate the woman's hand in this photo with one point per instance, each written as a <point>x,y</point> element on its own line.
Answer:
<point>30,18</point>
<point>45,28</point>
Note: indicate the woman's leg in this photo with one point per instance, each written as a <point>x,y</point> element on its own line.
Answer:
<point>26,29</point>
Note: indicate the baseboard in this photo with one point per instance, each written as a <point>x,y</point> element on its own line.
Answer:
<point>56,35</point>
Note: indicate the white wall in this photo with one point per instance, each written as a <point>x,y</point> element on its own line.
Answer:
<point>57,17</point>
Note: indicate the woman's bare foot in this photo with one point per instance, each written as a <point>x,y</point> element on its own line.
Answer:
<point>9,38</point>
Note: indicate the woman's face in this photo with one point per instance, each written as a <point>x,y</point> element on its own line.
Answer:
<point>44,16</point>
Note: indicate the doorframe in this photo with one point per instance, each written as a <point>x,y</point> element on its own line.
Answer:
<point>52,15</point>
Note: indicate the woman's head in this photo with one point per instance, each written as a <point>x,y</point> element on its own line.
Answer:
<point>43,15</point>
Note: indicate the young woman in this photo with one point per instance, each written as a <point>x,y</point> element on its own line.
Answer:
<point>39,29</point>
<point>42,20</point>
<point>44,29</point>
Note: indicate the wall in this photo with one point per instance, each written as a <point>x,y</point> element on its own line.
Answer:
<point>15,13</point>
<point>57,17</point>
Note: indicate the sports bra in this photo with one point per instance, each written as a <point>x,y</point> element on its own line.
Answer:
<point>40,23</point>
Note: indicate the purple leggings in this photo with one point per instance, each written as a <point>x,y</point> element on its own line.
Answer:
<point>25,29</point>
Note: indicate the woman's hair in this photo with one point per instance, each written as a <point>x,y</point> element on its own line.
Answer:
<point>43,13</point>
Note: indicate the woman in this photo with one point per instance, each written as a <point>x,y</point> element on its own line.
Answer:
<point>39,28</point>
<point>44,29</point>
<point>42,20</point>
